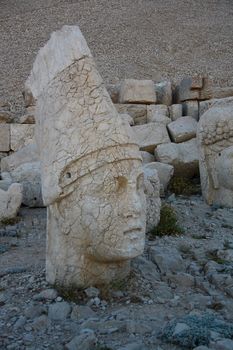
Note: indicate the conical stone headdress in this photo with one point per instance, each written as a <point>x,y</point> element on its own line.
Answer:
<point>78,128</point>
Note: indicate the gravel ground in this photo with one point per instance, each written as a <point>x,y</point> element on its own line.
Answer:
<point>152,39</point>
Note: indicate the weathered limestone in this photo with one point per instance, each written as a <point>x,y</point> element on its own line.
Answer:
<point>26,154</point>
<point>5,116</point>
<point>195,88</point>
<point>153,202</point>
<point>137,112</point>
<point>176,111</point>
<point>205,105</point>
<point>191,108</point>
<point>164,93</point>
<point>28,175</point>
<point>147,157</point>
<point>21,135</point>
<point>158,114</point>
<point>114,92</point>
<point>28,117</point>
<point>182,129</point>
<point>165,173</point>
<point>150,135</point>
<point>10,201</point>
<point>137,91</point>
<point>4,137</point>
<point>127,118</point>
<point>92,179</point>
<point>183,156</point>
<point>215,140</point>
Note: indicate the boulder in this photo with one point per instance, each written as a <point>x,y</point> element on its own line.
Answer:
<point>164,92</point>
<point>4,137</point>
<point>153,202</point>
<point>182,129</point>
<point>137,112</point>
<point>150,135</point>
<point>10,201</point>
<point>222,102</point>
<point>165,173</point>
<point>21,135</point>
<point>147,157</point>
<point>175,111</point>
<point>137,91</point>
<point>29,176</point>
<point>183,156</point>
<point>26,154</point>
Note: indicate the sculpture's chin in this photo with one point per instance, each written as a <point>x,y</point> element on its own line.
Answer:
<point>132,248</point>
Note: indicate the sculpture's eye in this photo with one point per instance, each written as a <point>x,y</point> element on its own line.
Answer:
<point>140,181</point>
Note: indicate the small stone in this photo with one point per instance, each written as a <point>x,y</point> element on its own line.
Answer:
<point>20,322</point>
<point>34,311</point>
<point>47,294</point>
<point>180,328</point>
<point>80,312</point>
<point>223,344</point>
<point>59,311</point>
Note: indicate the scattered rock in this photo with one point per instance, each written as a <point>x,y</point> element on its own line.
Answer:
<point>59,311</point>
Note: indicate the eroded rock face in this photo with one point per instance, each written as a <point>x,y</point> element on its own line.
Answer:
<point>92,179</point>
<point>215,140</point>
<point>10,201</point>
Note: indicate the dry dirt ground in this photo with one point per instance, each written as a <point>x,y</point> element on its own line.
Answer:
<point>152,39</point>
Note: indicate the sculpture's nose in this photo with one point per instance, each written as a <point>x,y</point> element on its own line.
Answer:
<point>132,204</point>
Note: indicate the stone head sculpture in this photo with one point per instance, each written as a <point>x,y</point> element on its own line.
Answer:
<point>92,179</point>
<point>215,138</point>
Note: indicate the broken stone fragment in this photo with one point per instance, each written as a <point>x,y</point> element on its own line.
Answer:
<point>21,135</point>
<point>182,129</point>
<point>137,112</point>
<point>150,135</point>
<point>175,111</point>
<point>4,137</point>
<point>183,156</point>
<point>10,201</point>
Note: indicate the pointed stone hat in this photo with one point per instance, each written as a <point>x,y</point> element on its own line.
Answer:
<point>78,129</point>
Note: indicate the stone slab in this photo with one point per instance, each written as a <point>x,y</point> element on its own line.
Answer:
<point>137,91</point>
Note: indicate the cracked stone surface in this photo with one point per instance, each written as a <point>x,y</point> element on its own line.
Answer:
<point>92,178</point>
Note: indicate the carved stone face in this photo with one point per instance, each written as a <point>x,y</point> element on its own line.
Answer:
<point>110,210</point>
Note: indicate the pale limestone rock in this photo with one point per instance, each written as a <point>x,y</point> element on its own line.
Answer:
<point>21,135</point>
<point>147,157</point>
<point>150,135</point>
<point>176,111</point>
<point>195,88</point>
<point>153,202</point>
<point>10,201</point>
<point>28,175</point>
<point>4,137</point>
<point>158,114</point>
<point>191,108</point>
<point>127,118</point>
<point>183,156</point>
<point>215,141</point>
<point>26,154</point>
<point>222,102</point>
<point>164,93</point>
<point>137,91</point>
<point>182,129</point>
<point>165,173</point>
<point>92,179</point>
<point>137,112</point>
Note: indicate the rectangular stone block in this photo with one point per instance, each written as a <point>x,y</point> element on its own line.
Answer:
<point>137,91</point>
<point>191,109</point>
<point>175,111</point>
<point>137,112</point>
<point>150,135</point>
<point>4,137</point>
<point>164,92</point>
<point>21,135</point>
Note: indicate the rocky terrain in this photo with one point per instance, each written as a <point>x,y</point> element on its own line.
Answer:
<point>142,39</point>
<point>183,279</point>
